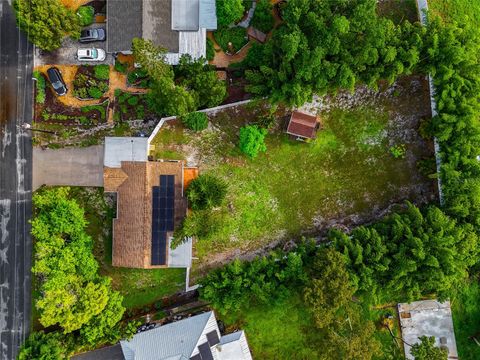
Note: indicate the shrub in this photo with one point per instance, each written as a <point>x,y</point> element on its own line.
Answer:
<point>252,140</point>
<point>229,11</point>
<point>133,100</point>
<point>95,92</point>
<point>100,108</point>
<point>102,72</point>
<point>86,14</point>
<point>210,50</point>
<point>236,35</point>
<point>263,18</point>
<point>117,92</point>
<point>121,67</point>
<point>103,86</point>
<point>195,121</point>
<point>206,192</point>
<point>398,151</point>
<point>40,86</point>
<point>81,93</point>
<point>140,111</point>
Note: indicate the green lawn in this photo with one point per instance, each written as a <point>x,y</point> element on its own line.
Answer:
<point>297,187</point>
<point>466,319</point>
<point>457,10</point>
<point>286,330</point>
<point>139,287</point>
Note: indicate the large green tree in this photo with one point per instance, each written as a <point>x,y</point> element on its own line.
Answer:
<point>410,254</point>
<point>327,45</point>
<point>426,350</point>
<point>41,346</point>
<point>205,192</point>
<point>46,22</point>
<point>229,11</point>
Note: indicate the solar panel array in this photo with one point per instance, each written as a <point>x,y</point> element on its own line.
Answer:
<point>163,212</point>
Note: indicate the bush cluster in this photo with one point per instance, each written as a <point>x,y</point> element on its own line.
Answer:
<point>235,35</point>
<point>101,108</point>
<point>196,121</point>
<point>102,72</point>
<point>252,140</point>
<point>263,17</point>
<point>120,67</point>
<point>86,15</point>
<point>40,87</point>
<point>210,50</point>
<point>206,192</point>
<point>229,12</point>
<point>87,86</point>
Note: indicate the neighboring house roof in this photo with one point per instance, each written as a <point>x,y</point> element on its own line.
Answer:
<point>177,25</point>
<point>302,125</point>
<point>195,338</point>
<point>124,22</point>
<point>111,353</point>
<point>427,318</point>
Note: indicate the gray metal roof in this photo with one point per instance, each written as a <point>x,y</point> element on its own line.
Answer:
<point>110,353</point>
<point>118,149</point>
<point>157,24</point>
<point>181,256</point>
<point>124,22</point>
<point>177,340</point>
<point>208,14</point>
<point>185,15</point>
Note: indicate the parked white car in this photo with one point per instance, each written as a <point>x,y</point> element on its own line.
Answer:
<point>91,54</point>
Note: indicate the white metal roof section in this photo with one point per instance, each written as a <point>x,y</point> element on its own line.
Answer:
<point>118,149</point>
<point>193,43</point>
<point>181,256</point>
<point>233,347</point>
<point>208,14</point>
<point>185,15</point>
<point>427,318</point>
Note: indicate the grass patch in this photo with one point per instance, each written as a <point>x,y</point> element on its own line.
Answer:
<point>40,87</point>
<point>466,319</point>
<point>456,10</point>
<point>139,287</point>
<point>236,35</point>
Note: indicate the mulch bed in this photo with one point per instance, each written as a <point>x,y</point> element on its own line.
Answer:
<point>236,87</point>
<point>53,106</point>
<point>89,72</point>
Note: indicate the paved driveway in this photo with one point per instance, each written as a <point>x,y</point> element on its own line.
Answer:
<point>68,166</point>
<point>67,54</point>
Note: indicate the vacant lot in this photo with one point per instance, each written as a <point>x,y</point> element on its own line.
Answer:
<point>346,177</point>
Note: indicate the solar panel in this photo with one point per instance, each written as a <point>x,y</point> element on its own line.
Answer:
<point>163,212</point>
<point>205,351</point>
<point>212,338</point>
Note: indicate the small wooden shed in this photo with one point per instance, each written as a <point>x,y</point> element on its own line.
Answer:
<point>303,125</point>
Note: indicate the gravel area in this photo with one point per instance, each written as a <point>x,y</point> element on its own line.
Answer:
<point>67,54</point>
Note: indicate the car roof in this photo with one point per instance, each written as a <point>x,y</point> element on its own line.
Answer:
<point>53,74</point>
<point>83,52</point>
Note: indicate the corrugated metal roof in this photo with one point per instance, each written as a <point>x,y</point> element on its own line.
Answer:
<point>208,14</point>
<point>171,341</point>
<point>181,256</point>
<point>233,347</point>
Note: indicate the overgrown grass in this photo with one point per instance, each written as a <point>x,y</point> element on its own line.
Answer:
<point>457,10</point>
<point>139,287</point>
<point>466,319</point>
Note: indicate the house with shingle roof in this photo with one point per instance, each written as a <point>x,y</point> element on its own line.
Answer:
<point>150,205</point>
<point>180,26</point>
<point>194,338</point>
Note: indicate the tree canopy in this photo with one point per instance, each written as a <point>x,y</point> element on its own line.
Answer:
<point>426,350</point>
<point>41,346</point>
<point>252,140</point>
<point>206,192</point>
<point>229,11</point>
<point>46,22</point>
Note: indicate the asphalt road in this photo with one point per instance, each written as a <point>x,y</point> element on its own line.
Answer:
<point>15,184</point>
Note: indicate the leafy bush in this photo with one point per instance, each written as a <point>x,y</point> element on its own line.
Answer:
<point>236,35</point>
<point>133,100</point>
<point>206,192</point>
<point>398,151</point>
<point>40,86</point>
<point>210,50</point>
<point>229,11</point>
<point>134,76</point>
<point>101,108</point>
<point>263,17</point>
<point>121,67</point>
<point>102,72</point>
<point>86,15</point>
<point>252,140</point>
<point>123,97</point>
<point>102,86</point>
<point>117,92</point>
<point>140,111</point>
<point>95,92</point>
<point>41,346</point>
<point>195,121</point>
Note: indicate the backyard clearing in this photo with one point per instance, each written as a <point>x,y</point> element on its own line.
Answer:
<point>346,177</point>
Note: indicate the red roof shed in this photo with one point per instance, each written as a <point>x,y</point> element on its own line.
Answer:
<point>303,125</point>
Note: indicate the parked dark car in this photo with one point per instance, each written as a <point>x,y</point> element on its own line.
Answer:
<point>91,35</point>
<point>56,80</point>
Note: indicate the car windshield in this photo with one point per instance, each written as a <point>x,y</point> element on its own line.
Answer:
<point>94,53</point>
<point>57,85</point>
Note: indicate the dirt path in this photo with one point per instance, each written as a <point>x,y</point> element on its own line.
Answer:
<point>74,4</point>
<point>116,81</point>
